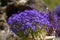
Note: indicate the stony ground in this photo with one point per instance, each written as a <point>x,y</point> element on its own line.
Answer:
<point>58,38</point>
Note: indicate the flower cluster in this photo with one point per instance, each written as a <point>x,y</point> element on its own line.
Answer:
<point>29,18</point>
<point>54,21</point>
<point>29,22</point>
<point>44,17</point>
<point>57,10</point>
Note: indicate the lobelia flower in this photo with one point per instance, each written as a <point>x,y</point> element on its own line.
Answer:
<point>29,21</point>
<point>54,21</point>
<point>33,28</point>
<point>26,31</point>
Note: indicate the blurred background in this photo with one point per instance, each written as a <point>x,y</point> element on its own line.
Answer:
<point>52,4</point>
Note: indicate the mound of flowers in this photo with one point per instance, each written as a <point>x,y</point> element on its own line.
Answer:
<point>29,23</point>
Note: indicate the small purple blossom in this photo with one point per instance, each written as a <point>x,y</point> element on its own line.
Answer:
<point>26,31</point>
<point>14,30</point>
<point>21,28</point>
<point>33,28</point>
<point>10,20</point>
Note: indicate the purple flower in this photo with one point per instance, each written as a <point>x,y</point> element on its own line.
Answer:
<point>26,31</point>
<point>27,23</point>
<point>39,26</point>
<point>10,21</point>
<point>14,30</point>
<point>33,28</point>
<point>26,26</point>
<point>21,28</point>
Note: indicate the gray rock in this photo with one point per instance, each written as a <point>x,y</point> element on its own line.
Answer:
<point>5,32</point>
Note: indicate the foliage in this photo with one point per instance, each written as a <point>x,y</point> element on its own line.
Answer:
<point>52,3</point>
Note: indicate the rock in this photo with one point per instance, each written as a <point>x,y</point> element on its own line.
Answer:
<point>5,32</point>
